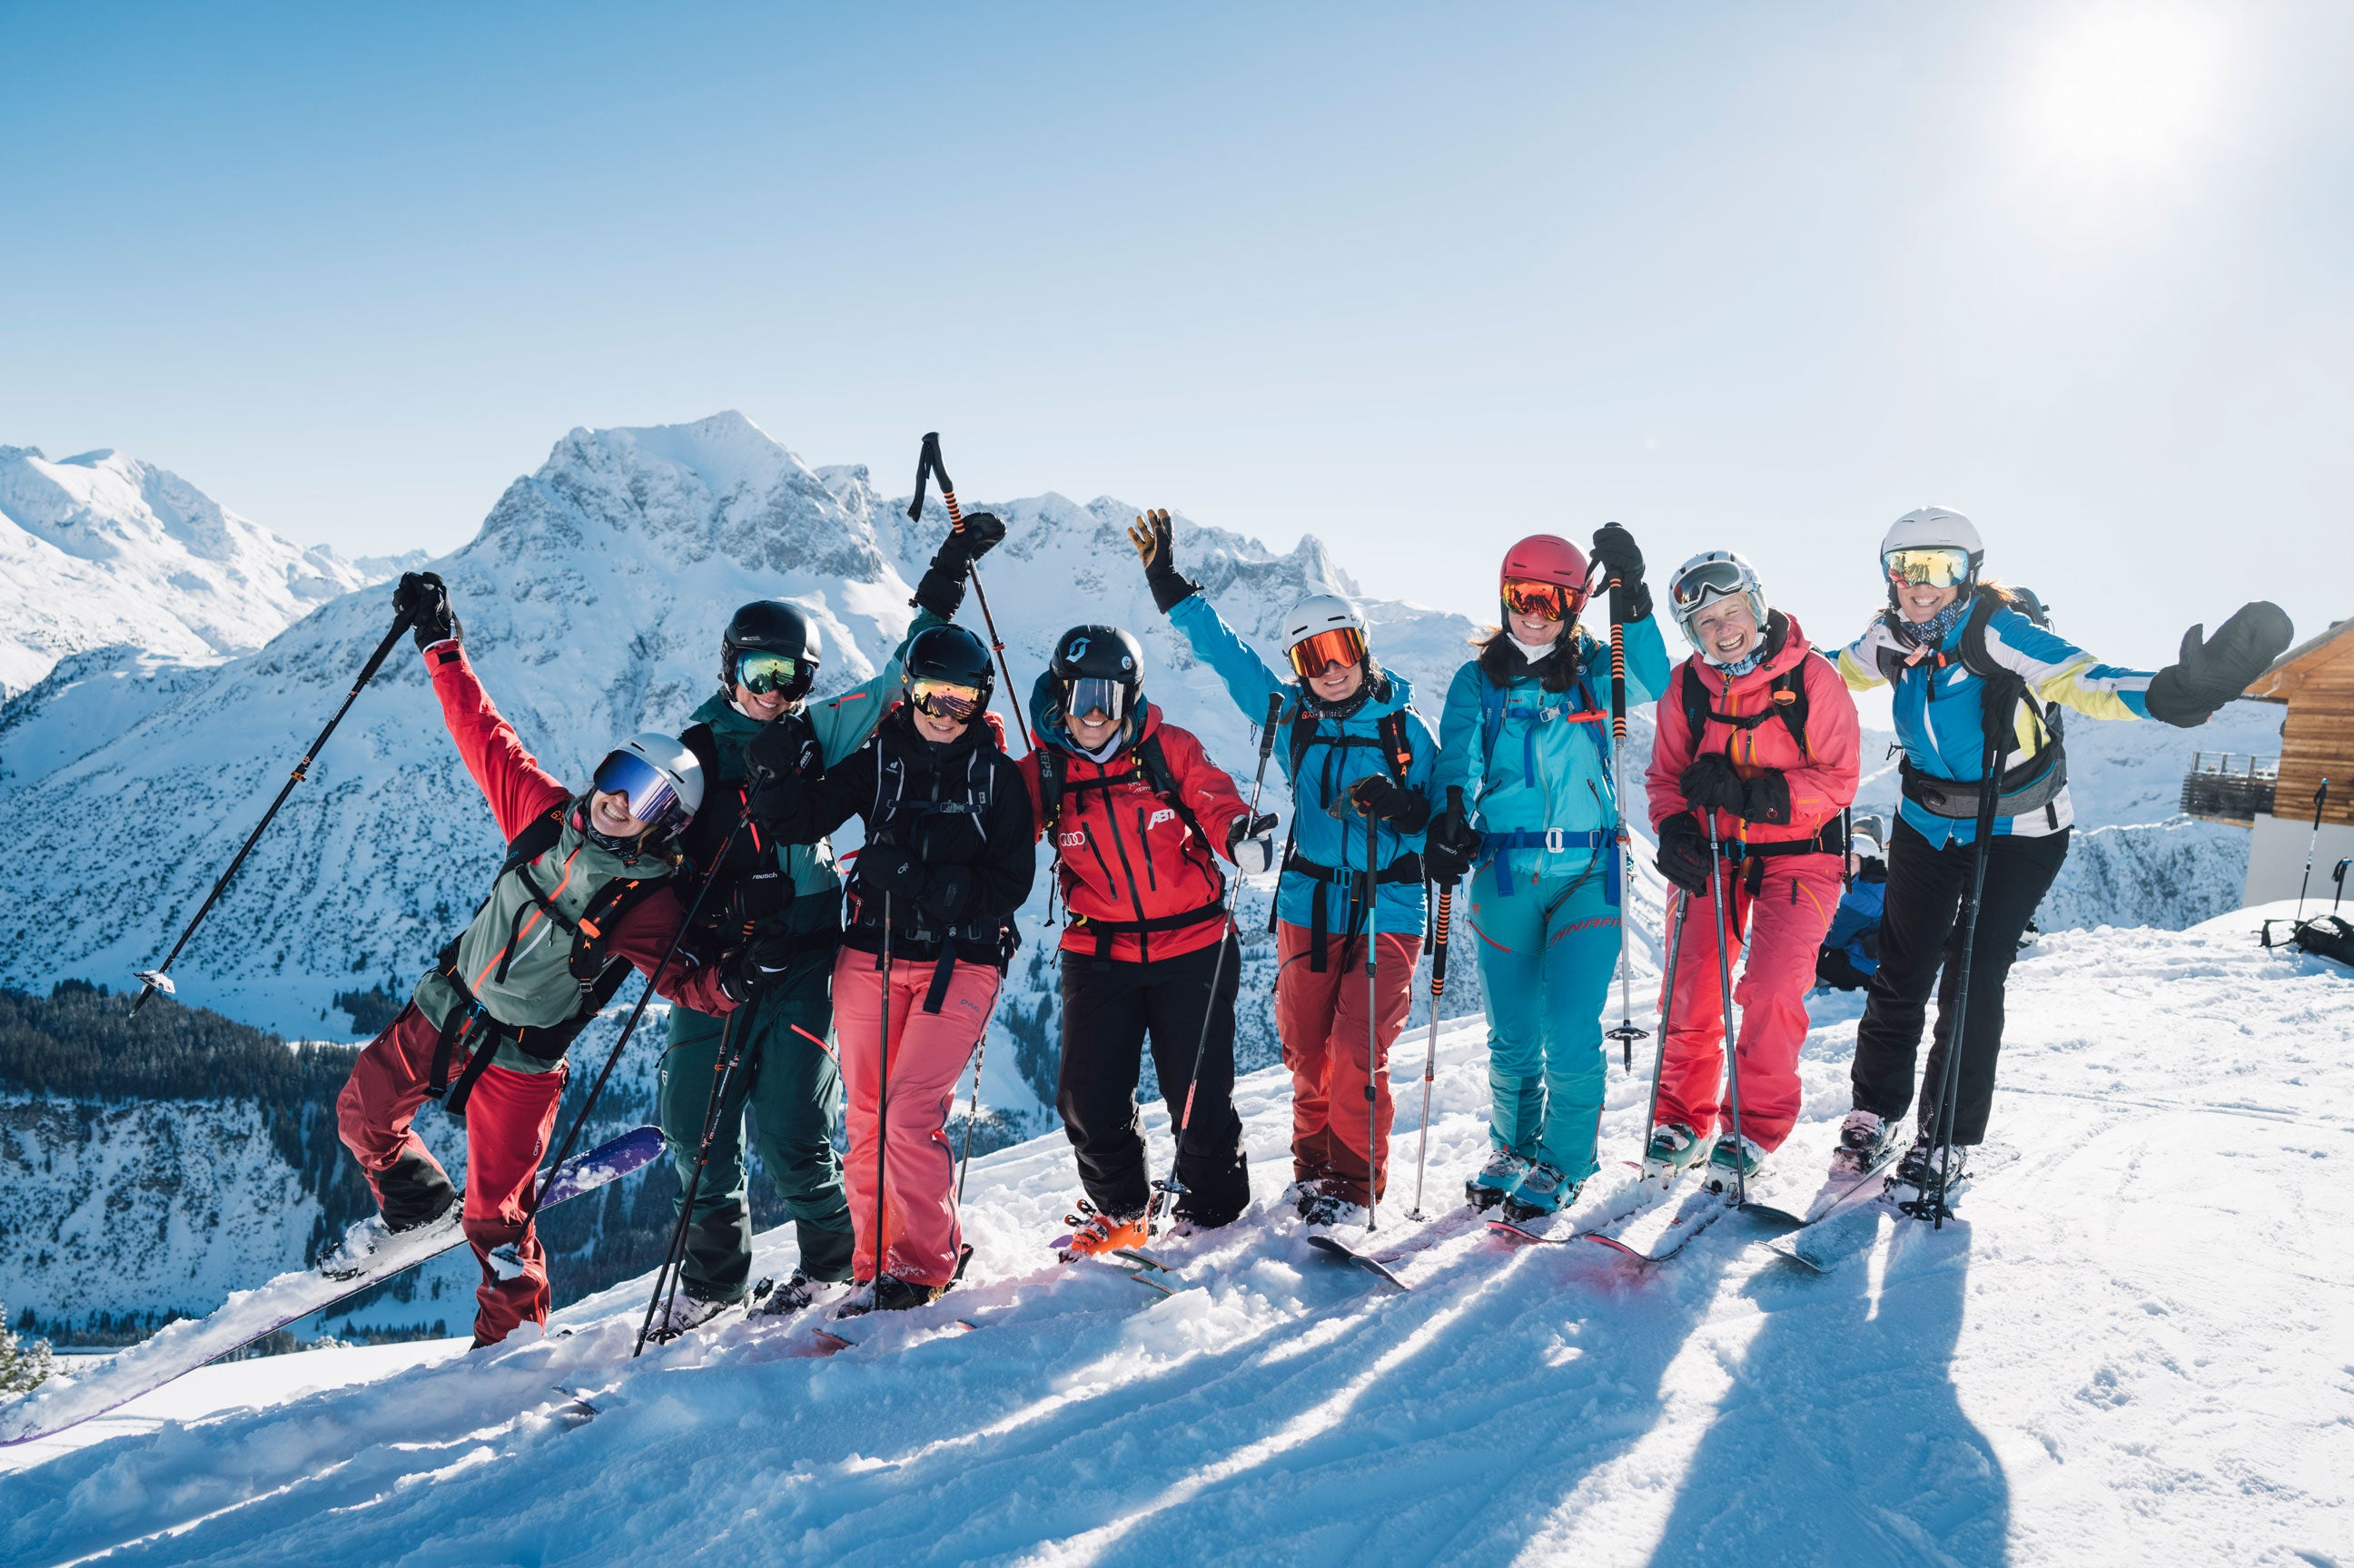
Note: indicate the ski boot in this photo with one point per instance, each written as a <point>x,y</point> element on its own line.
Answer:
<point>1544,1190</point>
<point>1732,1154</point>
<point>1322,1207</point>
<point>893,1294</point>
<point>1921,1162</point>
<point>1093,1233</point>
<point>1673,1149</point>
<point>1495,1180</point>
<point>1863,1137</point>
<point>681,1313</point>
<point>798,1294</point>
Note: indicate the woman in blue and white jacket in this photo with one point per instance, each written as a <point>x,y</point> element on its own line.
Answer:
<point>1359,760</point>
<point>1946,642</point>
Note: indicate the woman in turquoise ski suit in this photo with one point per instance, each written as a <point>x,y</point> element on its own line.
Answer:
<point>1360,768</point>
<point>1529,745</point>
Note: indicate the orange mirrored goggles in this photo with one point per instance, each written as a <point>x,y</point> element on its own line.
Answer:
<point>1337,649</point>
<point>945,699</point>
<point>1938,566</point>
<point>1552,601</point>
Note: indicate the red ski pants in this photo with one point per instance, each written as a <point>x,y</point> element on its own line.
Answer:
<point>919,1237</point>
<point>1784,921</point>
<point>1322,1021</point>
<point>508,1120</point>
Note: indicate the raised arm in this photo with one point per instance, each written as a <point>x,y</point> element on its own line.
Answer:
<point>517,787</point>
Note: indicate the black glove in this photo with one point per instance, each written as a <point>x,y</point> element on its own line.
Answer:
<point>781,805</point>
<point>756,963</point>
<point>1710,783</point>
<point>1250,842</point>
<point>1683,853</point>
<point>1452,849</point>
<point>941,591</point>
<point>1765,799</point>
<point>1616,553</point>
<point>892,871</point>
<point>2211,672</point>
<point>1156,546</point>
<point>946,838</point>
<point>425,602</point>
<point>1407,810</point>
<point>784,748</point>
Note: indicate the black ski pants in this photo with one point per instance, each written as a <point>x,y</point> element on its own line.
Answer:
<point>1108,1008</point>
<point>1919,931</point>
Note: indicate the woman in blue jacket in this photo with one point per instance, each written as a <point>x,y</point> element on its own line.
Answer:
<point>1526,736</point>
<point>1969,664</point>
<point>1359,761</point>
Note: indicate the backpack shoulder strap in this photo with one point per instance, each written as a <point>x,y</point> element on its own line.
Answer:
<point>1163,780</point>
<point>1693,698</point>
<point>1050,786</point>
<point>1790,698</point>
<point>537,837</point>
<point>1397,743</point>
<point>592,934</point>
<point>1303,735</point>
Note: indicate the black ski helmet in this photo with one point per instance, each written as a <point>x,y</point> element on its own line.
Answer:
<point>1096,652</point>
<point>948,654</point>
<point>769,626</point>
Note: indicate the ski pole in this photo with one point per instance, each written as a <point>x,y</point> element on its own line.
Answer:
<point>1175,1185</point>
<point>2320,797</point>
<point>1667,1003</point>
<point>929,464</point>
<point>1724,996</point>
<point>653,980</point>
<point>1437,989</point>
<point>1373,1037</point>
<point>160,977</point>
<point>883,1096</point>
<point>1626,1034</point>
<point>972,1111</point>
<point>673,1257</point>
<point>1949,1080</point>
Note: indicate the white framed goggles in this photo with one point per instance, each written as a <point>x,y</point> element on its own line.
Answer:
<point>1091,694</point>
<point>1933,565</point>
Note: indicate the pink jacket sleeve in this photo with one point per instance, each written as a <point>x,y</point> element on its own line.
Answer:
<point>511,779</point>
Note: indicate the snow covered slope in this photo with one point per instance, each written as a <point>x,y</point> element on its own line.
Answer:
<point>102,550</point>
<point>2130,1349</point>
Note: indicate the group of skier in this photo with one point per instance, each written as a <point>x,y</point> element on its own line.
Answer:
<point>702,860</point>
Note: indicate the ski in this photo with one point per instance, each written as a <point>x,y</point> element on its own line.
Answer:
<point>1341,1253</point>
<point>181,1348</point>
<point>1656,1232</point>
<point>1621,1200</point>
<point>1851,1226</point>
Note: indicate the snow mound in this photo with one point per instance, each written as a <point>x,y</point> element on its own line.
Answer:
<point>2129,1348</point>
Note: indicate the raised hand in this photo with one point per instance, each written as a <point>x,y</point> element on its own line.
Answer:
<point>1155,538</point>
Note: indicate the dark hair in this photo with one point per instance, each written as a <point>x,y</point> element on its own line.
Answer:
<point>1557,672</point>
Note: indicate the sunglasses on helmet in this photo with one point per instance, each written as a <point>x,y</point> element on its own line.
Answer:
<point>1339,648</point>
<point>1936,565</point>
<point>945,699</point>
<point>1089,696</point>
<point>761,672</point>
<point>1551,601</point>
<point>652,794</point>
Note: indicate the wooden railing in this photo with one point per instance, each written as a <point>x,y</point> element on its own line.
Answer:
<point>2230,787</point>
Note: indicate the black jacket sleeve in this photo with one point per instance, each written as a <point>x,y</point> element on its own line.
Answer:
<point>802,812</point>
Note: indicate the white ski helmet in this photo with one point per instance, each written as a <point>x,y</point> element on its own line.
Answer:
<point>1710,576</point>
<point>1319,613</point>
<point>1934,527</point>
<point>659,775</point>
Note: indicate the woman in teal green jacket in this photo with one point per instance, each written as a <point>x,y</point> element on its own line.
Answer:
<point>1526,738</point>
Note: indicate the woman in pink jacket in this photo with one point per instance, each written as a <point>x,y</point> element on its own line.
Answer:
<point>1757,737</point>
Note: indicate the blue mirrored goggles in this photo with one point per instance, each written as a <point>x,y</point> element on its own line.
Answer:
<point>651,792</point>
<point>761,672</point>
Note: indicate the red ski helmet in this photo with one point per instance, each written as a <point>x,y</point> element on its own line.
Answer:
<point>1547,558</point>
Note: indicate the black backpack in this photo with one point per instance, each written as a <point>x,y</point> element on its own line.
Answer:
<point>2033,784</point>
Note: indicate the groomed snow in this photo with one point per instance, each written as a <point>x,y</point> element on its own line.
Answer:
<point>2132,1349</point>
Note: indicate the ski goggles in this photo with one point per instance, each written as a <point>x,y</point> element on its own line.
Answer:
<point>652,793</point>
<point>1549,601</point>
<point>1091,694</point>
<point>1936,565</point>
<point>761,672</point>
<point>1339,648</point>
<point>945,699</point>
<point>1708,580</point>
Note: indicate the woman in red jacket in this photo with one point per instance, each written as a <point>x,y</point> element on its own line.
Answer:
<point>1758,731</point>
<point>1135,806</point>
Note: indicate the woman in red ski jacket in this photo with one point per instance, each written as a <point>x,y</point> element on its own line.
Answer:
<point>1134,807</point>
<point>1758,734</point>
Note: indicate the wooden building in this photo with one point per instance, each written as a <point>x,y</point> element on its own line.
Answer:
<point>2315,679</point>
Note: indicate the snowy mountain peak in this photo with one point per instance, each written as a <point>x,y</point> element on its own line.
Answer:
<point>100,550</point>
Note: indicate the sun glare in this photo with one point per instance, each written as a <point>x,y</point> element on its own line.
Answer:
<point>2122,91</point>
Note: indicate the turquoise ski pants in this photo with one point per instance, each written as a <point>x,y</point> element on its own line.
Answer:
<point>1547,955</point>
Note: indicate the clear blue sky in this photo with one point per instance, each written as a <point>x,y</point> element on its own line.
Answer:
<point>1415,278</point>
